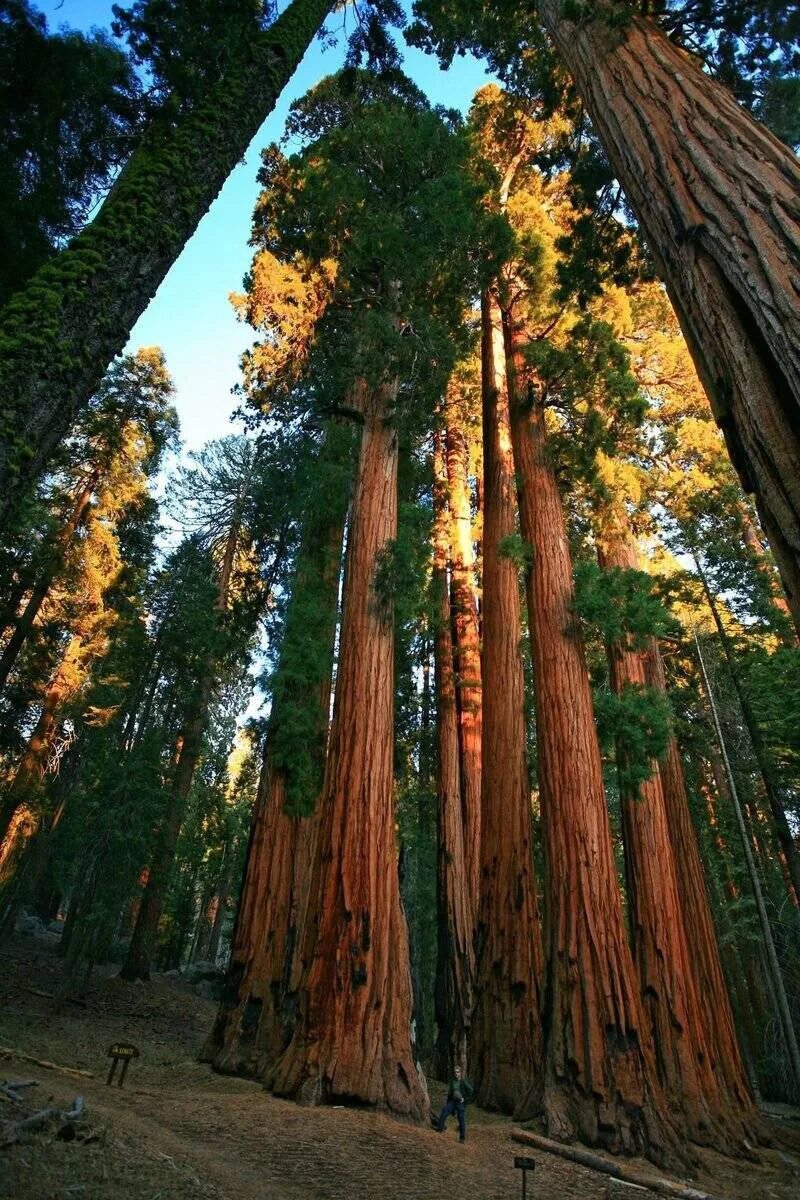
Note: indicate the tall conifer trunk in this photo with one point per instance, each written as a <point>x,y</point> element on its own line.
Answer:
<point>718,199</point>
<point>138,961</point>
<point>352,1040</point>
<point>600,1080</point>
<point>664,946</point>
<point>189,747</point>
<point>466,642</point>
<point>254,1022</point>
<point>697,913</point>
<point>506,1039</point>
<point>24,622</point>
<point>60,332</point>
<point>455,960</point>
<point>767,766</point>
<point>21,809</point>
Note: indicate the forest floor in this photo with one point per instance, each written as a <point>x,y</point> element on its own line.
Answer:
<point>176,1130</point>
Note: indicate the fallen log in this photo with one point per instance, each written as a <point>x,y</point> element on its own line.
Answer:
<point>11,1052</point>
<point>626,1173</point>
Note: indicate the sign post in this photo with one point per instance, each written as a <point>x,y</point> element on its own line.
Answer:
<point>524,1165</point>
<point>120,1052</point>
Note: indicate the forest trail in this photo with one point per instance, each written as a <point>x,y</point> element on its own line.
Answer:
<point>176,1130</point>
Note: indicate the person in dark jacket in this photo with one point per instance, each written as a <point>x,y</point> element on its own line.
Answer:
<point>459,1094</point>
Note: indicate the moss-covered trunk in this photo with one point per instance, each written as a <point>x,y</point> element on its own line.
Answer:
<point>60,332</point>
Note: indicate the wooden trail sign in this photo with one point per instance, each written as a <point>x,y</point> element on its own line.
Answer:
<point>120,1052</point>
<point>524,1165</point>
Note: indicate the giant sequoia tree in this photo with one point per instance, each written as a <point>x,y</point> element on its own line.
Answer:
<point>382,265</point>
<point>716,195</point>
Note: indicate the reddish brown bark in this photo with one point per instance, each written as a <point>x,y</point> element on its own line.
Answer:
<point>768,768</point>
<point>697,914</point>
<point>254,1023</point>
<point>252,1028</point>
<point>718,199</point>
<point>352,1040</point>
<point>600,1081</point>
<point>455,961</point>
<point>21,811</point>
<point>466,642</point>
<point>666,945</point>
<point>506,1038</point>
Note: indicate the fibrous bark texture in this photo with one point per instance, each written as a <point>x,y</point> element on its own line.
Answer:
<point>255,1020</point>
<point>466,643</point>
<point>352,1040</point>
<point>506,1040</point>
<point>600,1082</point>
<point>665,946</point>
<point>59,333</point>
<point>697,915</point>
<point>718,199</point>
<point>455,960</point>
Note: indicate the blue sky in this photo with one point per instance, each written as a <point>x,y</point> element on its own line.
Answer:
<point>190,317</point>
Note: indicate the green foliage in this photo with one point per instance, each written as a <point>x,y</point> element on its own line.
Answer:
<point>615,604</point>
<point>402,566</point>
<point>69,112</point>
<point>515,548</point>
<point>384,214</point>
<point>637,721</point>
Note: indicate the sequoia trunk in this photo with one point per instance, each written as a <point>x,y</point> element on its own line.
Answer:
<point>665,953</point>
<point>466,644</point>
<point>455,960</point>
<point>697,913</point>
<point>600,1082</point>
<point>506,1040</point>
<point>718,199</point>
<point>352,1040</point>
<point>254,1022</point>
<point>59,333</point>
<point>763,754</point>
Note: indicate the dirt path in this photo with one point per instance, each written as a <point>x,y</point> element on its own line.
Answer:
<point>176,1130</point>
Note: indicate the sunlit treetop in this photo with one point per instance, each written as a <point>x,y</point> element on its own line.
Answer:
<point>373,239</point>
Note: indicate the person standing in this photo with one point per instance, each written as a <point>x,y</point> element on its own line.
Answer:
<point>459,1093</point>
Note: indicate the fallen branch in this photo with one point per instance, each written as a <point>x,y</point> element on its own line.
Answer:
<point>626,1173</point>
<point>10,1052</point>
<point>10,1088</point>
<point>14,1130</point>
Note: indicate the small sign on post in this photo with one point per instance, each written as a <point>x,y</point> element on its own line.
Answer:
<point>120,1052</point>
<point>524,1165</point>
